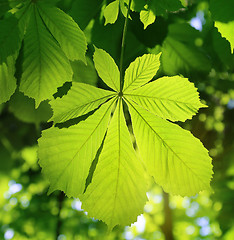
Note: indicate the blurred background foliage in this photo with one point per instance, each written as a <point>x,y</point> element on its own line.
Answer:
<point>191,47</point>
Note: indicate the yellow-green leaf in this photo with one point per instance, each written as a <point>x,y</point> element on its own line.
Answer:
<point>173,156</point>
<point>173,98</point>
<point>117,193</point>
<point>141,71</point>
<point>66,154</point>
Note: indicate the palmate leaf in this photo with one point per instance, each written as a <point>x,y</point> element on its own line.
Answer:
<point>117,193</point>
<point>45,66</point>
<point>65,30</point>
<point>141,71</point>
<point>117,185</point>
<point>173,98</point>
<point>66,154</point>
<point>81,99</point>
<point>174,157</point>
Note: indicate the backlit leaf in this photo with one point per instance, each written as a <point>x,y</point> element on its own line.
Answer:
<point>141,71</point>
<point>173,98</point>
<point>117,193</point>
<point>227,31</point>
<point>81,99</point>
<point>173,156</point>
<point>111,12</point>
<point>107,69</point>
<point>65,30</point>
<point>66,154</point>
<point>45,66</point>
<point>147,17</point>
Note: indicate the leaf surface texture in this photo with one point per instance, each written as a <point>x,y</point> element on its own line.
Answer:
<point>66,154</point>
<point>173,156</point>
<point>117,193</point>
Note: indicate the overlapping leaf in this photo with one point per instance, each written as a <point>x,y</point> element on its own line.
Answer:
<point>45,66</point>
<point>65,30</point>
<point>117,185</point>
<point>51,38</point>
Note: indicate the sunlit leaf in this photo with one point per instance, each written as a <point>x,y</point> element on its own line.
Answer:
<point>45,66</point>
<point>107,69</point>
<point>173,156</point>
<point>117,193</point>
<point>173,98</point>
<point>81,99</point>
<point>65,30</point>
<point>141,71</point>
<point>111,12</point>
<point>66,154</point>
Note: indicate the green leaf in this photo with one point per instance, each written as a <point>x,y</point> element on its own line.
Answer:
<point>7,79</point>
<point>81,99</point>
<point>24,109</point>
<point>4,7</point>
<point>222,11</point>
<point>141,71</point>
<point>107,69</point>
<point>173,98</point>
<point>65,31</point>
<point>66,154</point>
<point>10,38</point>
<point>227,31</point>
<point>147,17</point>
<point>161,7</point>
<point>111,12</point>
<point>173,156</point>
<point>84,73</point>
<point>117,193</point>
<point>45,67</point>
<point>83,11</point>
<point>179,57</point>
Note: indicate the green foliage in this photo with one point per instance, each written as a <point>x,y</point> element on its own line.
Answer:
<point>51,37</point>
<point>172,98</point>
<point>24,109</point>
<point>147,17</point>
<point>111,12</point>
<point>223,14</point>
<point>43,58</point>
<point>113,135</point>
<point>119,176</point>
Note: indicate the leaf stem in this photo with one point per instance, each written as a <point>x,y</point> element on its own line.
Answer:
<point>122,48</point>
